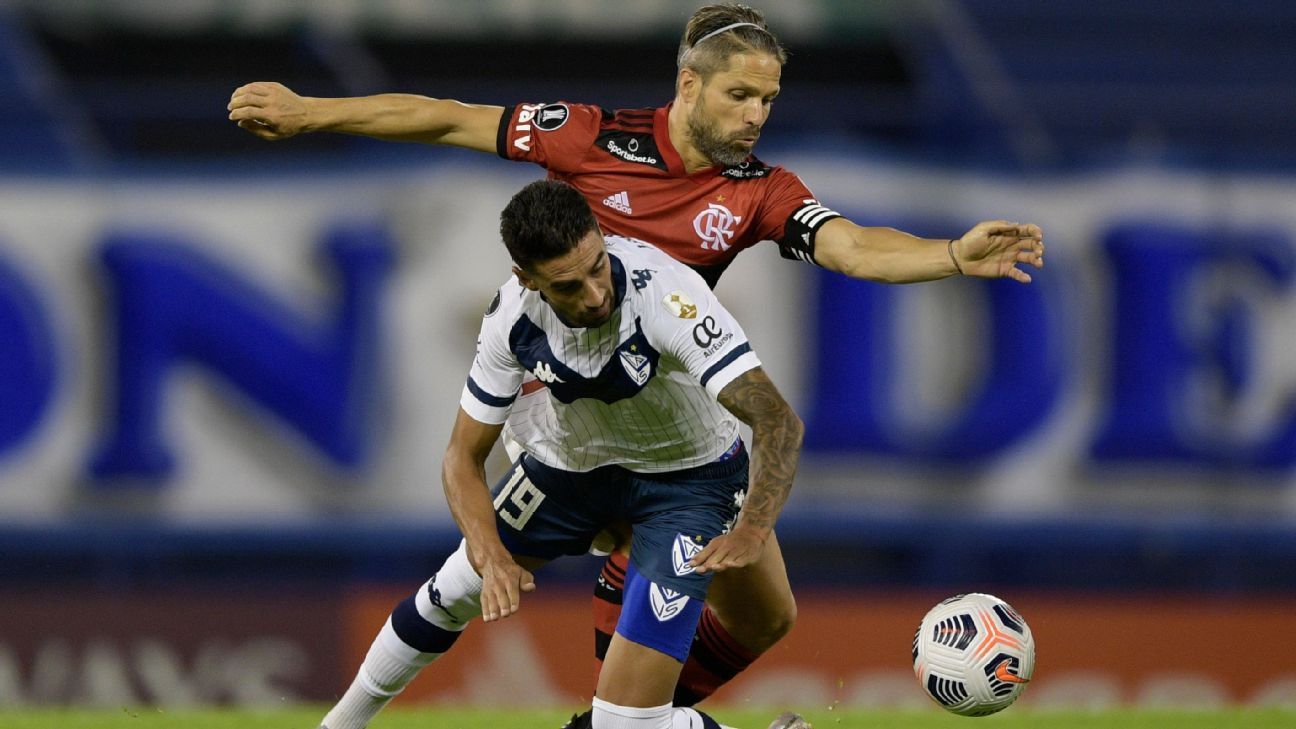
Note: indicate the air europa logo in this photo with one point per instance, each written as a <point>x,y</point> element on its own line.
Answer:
<point>706,331</point>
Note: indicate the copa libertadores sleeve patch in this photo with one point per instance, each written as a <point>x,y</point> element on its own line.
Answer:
<point>798,241</point>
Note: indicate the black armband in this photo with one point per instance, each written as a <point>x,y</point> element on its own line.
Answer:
<point>798,241</point>
<point>501,134</point>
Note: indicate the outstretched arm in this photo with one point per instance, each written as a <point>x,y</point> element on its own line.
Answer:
<point>273,111</point>
<point>463,473</point>
<point>990,249</point>
<point>776,446</point>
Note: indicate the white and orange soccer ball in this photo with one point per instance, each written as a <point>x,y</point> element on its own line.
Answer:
<point>973,654</point>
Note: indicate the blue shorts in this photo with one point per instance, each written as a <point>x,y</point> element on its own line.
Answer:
<point>547,512</point>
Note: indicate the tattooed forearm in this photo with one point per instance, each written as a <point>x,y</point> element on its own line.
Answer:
<point>776,444</point>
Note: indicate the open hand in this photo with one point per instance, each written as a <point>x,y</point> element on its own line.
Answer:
<point>993,249</point>
<point>738,548</point>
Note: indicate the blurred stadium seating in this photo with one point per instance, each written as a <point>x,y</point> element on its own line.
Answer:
<point>1011,83</point>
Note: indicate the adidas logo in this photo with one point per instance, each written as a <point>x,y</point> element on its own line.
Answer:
<point>620,202</point>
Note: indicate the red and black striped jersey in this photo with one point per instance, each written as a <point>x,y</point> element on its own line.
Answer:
<point>625,165</point>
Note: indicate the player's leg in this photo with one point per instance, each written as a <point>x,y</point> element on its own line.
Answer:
<point>673,515</point>
<point>748,610</point>
<point>643,661</point>
<point>704,669</point>
<point>650,672</point>
<point>420,630</point>
<point>609,589</point>
<point>537,522</point>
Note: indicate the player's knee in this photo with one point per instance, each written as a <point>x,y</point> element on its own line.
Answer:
<point>763,626</point>
<point>452,597</point>
<point>775,627</point>
<point>782,620</point>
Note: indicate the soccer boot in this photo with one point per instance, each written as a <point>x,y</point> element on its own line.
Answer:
<point>790,721</point>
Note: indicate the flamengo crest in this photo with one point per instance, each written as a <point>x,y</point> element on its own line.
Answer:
<point>715,226</point>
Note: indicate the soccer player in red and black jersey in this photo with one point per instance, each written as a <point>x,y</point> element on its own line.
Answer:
<point>683,177</point>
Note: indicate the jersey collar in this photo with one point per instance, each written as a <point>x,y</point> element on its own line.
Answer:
<point>661,133</point>
<point>618,280</point>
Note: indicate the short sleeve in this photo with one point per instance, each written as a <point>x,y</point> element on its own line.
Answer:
<point>699,331</point>
<point>556,136</point>
<point>792,217</point>
<point>495,376</point>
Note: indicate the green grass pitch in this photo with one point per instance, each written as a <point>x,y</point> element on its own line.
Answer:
<point>399,718</point>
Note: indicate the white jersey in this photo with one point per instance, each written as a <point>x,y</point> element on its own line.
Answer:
<point>638,391</point>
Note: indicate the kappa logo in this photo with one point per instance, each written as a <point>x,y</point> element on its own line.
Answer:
<point>545,373</point>
<point>682,551</point>
<point>619,202</point>
<point>640,277</point>
<point>715,226</point>
<point>666,603</point>
<point>637,366</point>
<point>434,596</point>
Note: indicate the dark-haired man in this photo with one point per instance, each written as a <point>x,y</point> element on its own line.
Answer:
<point>642,427</point>
<point>683,177</point>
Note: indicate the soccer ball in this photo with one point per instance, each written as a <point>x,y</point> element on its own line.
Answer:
<point>973,654</point>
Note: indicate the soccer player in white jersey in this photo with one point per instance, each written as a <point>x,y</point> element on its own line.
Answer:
<point>648,377</point>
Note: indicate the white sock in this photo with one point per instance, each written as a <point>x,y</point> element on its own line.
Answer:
<point>685,718</point>
<point>391,663</point>
<point>611,716</point>
<point>387,669</point>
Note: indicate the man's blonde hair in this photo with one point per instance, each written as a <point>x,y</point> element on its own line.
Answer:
<point>705,53</point>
